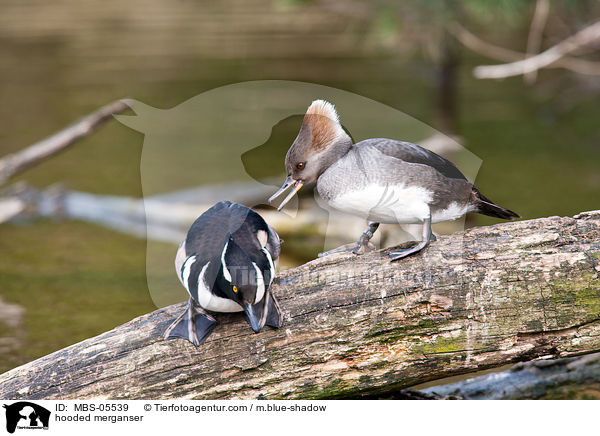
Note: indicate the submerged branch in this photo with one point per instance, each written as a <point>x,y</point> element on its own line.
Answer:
<point>568,378</point>
<point>16,163</point>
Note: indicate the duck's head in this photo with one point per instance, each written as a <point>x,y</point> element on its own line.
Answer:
<point>244,282</point>
<point>320,142</point>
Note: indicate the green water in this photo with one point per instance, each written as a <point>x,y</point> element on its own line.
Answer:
<point>540,145</point>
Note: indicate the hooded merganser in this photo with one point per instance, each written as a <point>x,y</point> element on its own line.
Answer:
<point>227,264</point>
<point>382,180</point>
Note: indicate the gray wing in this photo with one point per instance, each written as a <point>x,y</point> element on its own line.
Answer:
<point>412,153</point>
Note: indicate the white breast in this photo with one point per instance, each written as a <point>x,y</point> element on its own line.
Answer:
<point>386,203</point>
<point>212,302</point>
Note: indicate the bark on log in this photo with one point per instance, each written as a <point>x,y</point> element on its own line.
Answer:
<point>559,379</point>
<point>360,325</point>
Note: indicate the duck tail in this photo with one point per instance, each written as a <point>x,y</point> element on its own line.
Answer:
<point>486,207</point>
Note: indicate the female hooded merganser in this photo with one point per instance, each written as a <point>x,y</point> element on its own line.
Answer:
<point>227,264</point>
<point>382,180</point>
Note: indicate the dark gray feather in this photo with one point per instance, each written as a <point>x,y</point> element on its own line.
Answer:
<point>412,153</point>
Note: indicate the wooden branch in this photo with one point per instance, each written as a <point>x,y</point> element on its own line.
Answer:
<point>534,39</point>
<point>584,37</point>
<point>473,42</point>
<point>16,163</point>
<point>10,207</point>
<point>360,325</point>
<point>167,217</point>
<point>567,378</point>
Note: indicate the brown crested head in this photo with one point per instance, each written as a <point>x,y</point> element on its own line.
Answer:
<point>320,142</point>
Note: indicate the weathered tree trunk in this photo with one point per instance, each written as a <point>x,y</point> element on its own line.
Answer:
<point>360,325</point>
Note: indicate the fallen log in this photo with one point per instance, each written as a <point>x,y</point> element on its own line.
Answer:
<point>357,326</point>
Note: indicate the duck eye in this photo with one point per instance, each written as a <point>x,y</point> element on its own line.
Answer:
<point>235,289</point>
<point>300,165</point>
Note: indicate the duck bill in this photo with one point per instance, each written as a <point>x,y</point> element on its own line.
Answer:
<point>254,316</point>
<point>288,182</point>
<point>295,184</point>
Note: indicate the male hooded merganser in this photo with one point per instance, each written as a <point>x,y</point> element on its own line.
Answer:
<point>227,264</point>
<point>382,180</point>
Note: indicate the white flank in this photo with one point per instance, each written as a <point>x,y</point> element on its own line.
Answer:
<point>260,284</point>
<point>386,203</point>
<point>225,270</point>
<point>185,271</point>
<point>452,212</point>
<point>272,266</point>
<point>179,260</point>
<point>209,301</point>
<point>262,236</point>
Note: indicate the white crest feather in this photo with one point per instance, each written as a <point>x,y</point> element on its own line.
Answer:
<point>324,109</point>
<point>324,124</point>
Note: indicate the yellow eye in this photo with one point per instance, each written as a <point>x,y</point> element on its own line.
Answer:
<point>235,289</point>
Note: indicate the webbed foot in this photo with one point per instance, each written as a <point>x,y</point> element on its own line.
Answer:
<point>400,254</point>
<point>362,246</point>
<point>274,315</point>
<point>427,238</point>
<point>354,247</point>
<point>194,325</point>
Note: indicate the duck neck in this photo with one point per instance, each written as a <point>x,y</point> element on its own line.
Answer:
<point>336,151</point>
<point>344,145</point>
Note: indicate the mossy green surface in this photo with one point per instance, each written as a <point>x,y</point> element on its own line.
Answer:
<point>442,344</point>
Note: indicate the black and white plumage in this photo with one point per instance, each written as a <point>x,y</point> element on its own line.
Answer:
<point>382,180</point>
<point>227,263</point>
